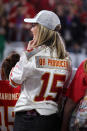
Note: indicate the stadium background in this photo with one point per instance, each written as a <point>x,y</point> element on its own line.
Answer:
<point>14,33</point>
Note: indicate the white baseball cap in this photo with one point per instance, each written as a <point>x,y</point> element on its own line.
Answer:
<point>46,18</point>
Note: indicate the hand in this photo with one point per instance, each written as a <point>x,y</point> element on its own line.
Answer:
<point>31,45</point>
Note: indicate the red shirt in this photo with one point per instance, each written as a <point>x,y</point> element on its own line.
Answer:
<point>78,85</point>
<point>8,99</point>
<point>28,11</point>
<point>83,17</point>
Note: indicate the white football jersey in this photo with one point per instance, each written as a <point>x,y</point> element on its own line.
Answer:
<point>42,78</point>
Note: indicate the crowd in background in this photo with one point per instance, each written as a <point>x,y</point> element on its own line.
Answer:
<point>73,16</point>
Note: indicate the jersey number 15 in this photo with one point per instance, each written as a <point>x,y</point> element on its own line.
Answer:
<point>50,86</point>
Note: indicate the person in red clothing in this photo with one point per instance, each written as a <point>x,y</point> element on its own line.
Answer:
<point>8,95</point>
<point>43,4</point>
<point>47,5</point>
<point>18,30</point>
<point>75,92</point>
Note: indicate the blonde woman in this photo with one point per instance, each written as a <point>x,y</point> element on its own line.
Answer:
<point>42,72</point>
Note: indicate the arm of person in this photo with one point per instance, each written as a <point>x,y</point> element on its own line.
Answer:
<point>74,93</point>
<point>85,72</point>
<point>21,71</point>
<point>69,106</point>
<point>85,66</point>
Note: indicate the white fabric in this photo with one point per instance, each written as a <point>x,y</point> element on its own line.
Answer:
<point>32,79</point>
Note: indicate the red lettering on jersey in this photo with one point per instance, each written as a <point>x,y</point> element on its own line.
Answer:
<point>55,88</point>
<point>57,63</point>
<point>45,79</point>
<point>42,61</point>
<point>8,99</point>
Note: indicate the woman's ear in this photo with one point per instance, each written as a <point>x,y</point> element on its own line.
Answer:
<point>85,66</point>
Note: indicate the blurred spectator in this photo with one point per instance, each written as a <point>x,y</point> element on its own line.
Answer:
<point>8,5</point>
<point>85,4</point>
<point>76,91</point>
<point>35,3</point>
<point>43,4</point>
<point>70,22</point>
<point>2,9</point>
<point>73,29</point>
<point>83,17</point>
<point>59,10</point>
<point>75,47</point>
<point>2,36</point>
<point>8,95</point>
<point>16,24</point>
<point>47,4</point>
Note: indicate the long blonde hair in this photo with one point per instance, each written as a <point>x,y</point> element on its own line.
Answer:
<point>51,39</point>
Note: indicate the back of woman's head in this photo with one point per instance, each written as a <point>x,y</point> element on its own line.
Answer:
<point>7,64</point>
<point>52,39</point>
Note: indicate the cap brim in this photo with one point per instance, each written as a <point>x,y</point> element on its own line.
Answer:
<point>28,20</point>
